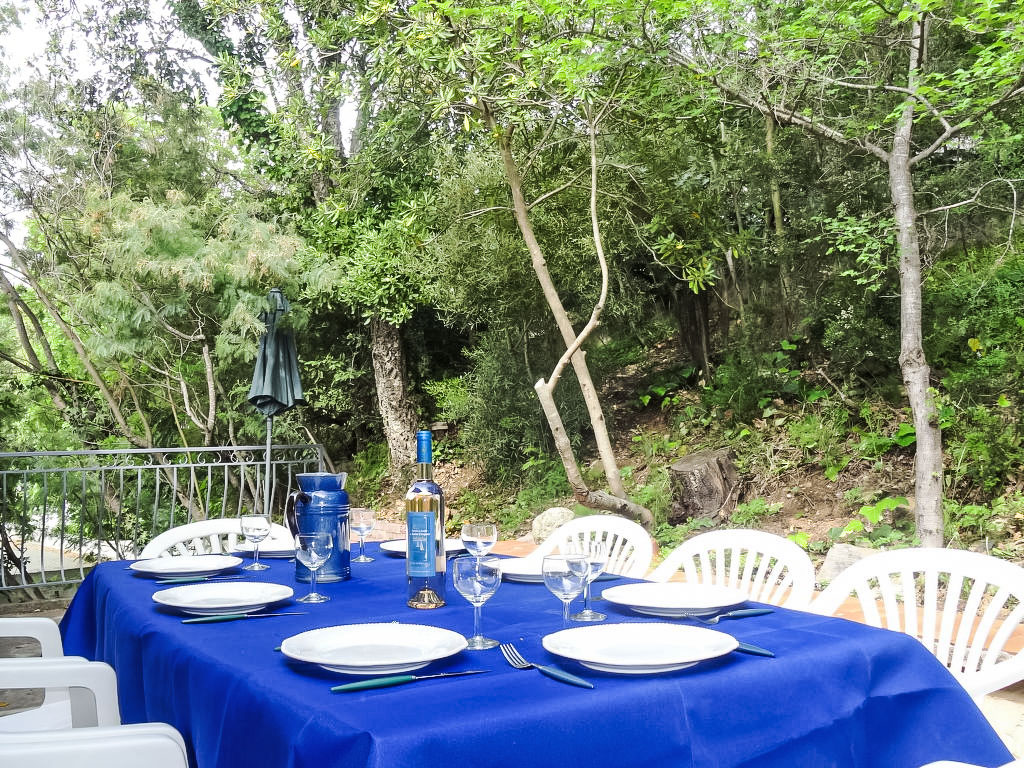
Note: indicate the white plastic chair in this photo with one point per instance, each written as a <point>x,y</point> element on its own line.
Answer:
<point>211,537</point>
<point>963,606</point>
<point>153,745</point>
<point>629,546</point>
<point>43,630</point>
<point>55,710</point>
<point>768,568</point>
<point>91,689</point>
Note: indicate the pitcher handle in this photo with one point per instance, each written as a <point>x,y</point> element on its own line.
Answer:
<point>290,518</point>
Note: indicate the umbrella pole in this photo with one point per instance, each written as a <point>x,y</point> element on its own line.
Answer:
<point>266,479</point>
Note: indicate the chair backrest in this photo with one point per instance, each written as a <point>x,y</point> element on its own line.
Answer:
<point>153,745</point>
<point>43,630</point>
<point>91,688</point>
<point>768,568</point>
<point>629,546</point>
<point>210,537</point>
<point>963,606</point>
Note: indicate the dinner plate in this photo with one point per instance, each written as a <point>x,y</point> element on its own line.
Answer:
<point>276,552</point>
<point>639,649</point>
<point>211,599</point>
<point>400,546</point>
<point>373,649</point>
<point>674,599</point>
<point>185,565</point>
<point>528,570</point>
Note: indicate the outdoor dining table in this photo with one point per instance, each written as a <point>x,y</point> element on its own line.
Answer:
<point>837,693</point>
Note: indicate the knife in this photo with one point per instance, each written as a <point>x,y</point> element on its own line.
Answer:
<point>384,682</point>
<point>755,650</point>
<point>233,616</point>
<point>187,579</point>
<point>559,674</point>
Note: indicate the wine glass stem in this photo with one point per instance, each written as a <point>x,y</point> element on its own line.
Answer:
<point>255,553</point>
<point>586,597</point>
<point>565,612</point>
<point>476,620</point>
<point>362,543</point>
<point>312,581</point>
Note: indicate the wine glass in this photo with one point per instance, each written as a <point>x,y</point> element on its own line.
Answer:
<point>477,579</point>
<point>255,528</point>
<point>312,550</point>
<point>597,558</point>
<point>361,519</point>
<point>565,576</point>
<point>479,538</point>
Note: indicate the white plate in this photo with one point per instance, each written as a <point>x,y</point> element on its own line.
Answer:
<point>522,569</point>
<point>186,565</point>
<point>528,569</point>
<point>211,599</point>
<point>400,546</point>
<point>245,548</point>
<point>674,599</point>
<point>373,649</point>
<point>639,649</point>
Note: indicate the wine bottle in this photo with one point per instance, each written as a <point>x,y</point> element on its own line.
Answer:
<point>424,518</point>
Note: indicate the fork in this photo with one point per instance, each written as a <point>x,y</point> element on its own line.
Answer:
<point>515,659</point>
<point>730,615</point>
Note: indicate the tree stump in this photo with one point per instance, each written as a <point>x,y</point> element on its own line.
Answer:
<point>703,485</point>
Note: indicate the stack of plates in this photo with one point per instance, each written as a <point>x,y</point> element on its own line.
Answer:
<point>373,649</point>
<point>271,551</point>
<point>639,649</point>
<point>214,599</point>
<point>674,599</point>
<point>400,546</point>
<point>528,570</point>
<point>185,565</point>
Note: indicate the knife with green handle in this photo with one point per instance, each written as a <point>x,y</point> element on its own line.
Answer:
<point>385,682</point>
<point>754,650</point>
<point>233,616</point>
<point>566,677</point>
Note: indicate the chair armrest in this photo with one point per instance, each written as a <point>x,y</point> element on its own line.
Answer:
<point>41,629</point>
<point>79,676</point>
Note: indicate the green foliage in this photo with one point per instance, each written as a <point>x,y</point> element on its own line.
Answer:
<point>748,380</point>
<point>452,400</point>
<point>654,445</point>
<point>664,392</point>
<point>367,473</point>
<point>967,523</point>
<point>869,530</point>
<point>822,435</point>
<point>753,513</point>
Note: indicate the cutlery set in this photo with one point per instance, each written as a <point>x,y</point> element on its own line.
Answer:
<point>195,579</point>
<point>234,616</point>
<point>508,651</point>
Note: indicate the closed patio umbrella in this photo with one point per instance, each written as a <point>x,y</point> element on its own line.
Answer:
<point>275,381</point>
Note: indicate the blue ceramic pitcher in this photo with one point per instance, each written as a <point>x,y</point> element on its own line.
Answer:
<point>321,506</point>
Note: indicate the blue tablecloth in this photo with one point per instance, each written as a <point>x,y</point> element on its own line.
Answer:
<point>837,694</point>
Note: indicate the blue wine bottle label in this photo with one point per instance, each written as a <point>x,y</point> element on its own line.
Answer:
<point>421,552</point>
<point>424,447</point>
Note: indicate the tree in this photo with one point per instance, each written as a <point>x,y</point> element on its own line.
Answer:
<point>902,84</point>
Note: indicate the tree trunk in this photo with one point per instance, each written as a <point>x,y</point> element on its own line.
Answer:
<point>393,394</point>
<point>928,466</point>
<point>775,192</point>
<point>583,494</point>
<point>561,317</point>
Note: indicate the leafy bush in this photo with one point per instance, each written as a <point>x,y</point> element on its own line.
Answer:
<point>368,472</point>
<point>751,514</point>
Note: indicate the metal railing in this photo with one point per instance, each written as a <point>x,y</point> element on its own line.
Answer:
<point>63,511</point>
